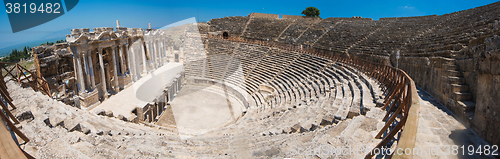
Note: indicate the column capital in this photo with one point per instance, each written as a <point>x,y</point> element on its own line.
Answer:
<point>76,54</point>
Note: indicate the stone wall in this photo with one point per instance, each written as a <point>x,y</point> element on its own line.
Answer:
<point>233,25</point>
<point>55,64</point>
<point>480,67</point>
<point>415,17</point>
<point>233,90</point>
<point>483,72</point>
<point>298,17</point>
<point>264,15</point>
<point>266,28</point>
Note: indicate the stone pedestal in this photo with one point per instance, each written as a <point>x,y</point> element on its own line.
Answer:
<point>89,99</point>
<point>123,81</point>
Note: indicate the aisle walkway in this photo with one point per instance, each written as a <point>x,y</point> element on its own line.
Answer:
<point>439,131</point>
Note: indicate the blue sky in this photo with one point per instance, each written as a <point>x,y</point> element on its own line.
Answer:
<point>99,13</point>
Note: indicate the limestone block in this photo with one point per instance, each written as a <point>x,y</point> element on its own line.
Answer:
<point>133,119</point>
<point>121,117</point>
<point>469,65</point>
<point>61,149</point>
<point>27,115</point>
<point>72,138</point>
<point>287,130</point>
<point>109,113</point>
<point>479,124</point>
<point>309,126</point>
<point>495,67</point>
<point>100,132</point>
<point>484,66</point>
<point>76,99</point>
<point>86,130</point>
<point>54,121</point>
<point>114,133</point>
<point>492,43</point>
<point>100,112</point>
<point>298,128</point>
<point>328,119</point>
<point>72,125</point>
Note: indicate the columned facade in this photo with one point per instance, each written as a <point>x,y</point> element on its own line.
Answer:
<point>106,60</point>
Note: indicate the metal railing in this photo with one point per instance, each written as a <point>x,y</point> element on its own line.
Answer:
<point>401,99</point>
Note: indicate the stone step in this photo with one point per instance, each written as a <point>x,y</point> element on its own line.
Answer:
<point>454,73</point>
<point>451,67</point>
<point>328,119</point>
<point>456,80</point>
<point>468,106</point>
<point>462,96</point>
<point>470,115</point>
<point>459,88</point>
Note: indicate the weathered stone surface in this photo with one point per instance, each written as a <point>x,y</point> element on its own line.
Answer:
<point>429,52</point>
<point>109,113</point>
<point>100,112</point>
<point>328,119</point>
<point>27,115</point>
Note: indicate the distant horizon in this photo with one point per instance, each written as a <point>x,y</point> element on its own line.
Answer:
<point>134,14</point>
<point>7,50</point>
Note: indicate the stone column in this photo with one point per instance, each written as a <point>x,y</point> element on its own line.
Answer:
<point>137,56</point>
<point>118,60</point>
<point>122,60</point>
<point>145,69</point>
<point>103,78</point>
<point>115,70</point>
<point>160,52</point>
<point>75,69</point>
<point>155,48</point>
<point>164,51</point>
<point>92,78</point>
<point>132,63</point>
<point>80,75</point>
<point>152,54</point>
<point>86,66</point>
<point>165,47</point>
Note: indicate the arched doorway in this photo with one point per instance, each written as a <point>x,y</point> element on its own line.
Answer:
<point>225,35</point>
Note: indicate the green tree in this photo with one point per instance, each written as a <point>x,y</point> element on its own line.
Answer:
<point>311,12</point>
<point>25,51</point>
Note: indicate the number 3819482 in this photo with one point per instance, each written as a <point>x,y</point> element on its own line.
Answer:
<point>32,8</point>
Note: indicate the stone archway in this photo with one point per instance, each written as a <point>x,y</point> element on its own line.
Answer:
<point>225,35</point>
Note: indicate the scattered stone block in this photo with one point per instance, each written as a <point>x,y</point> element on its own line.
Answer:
<point>121,117</point>
<point>297,128</point>
<point>328,119</point>
<point>100,132</point>
<point>27,115</point>
<point>100,112</point>
<point>86,130</point>
<point>54,121</point>
<point>132,118</point>
<point>109,113</point>
<point>287,130</point>
<point>71,138</point>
